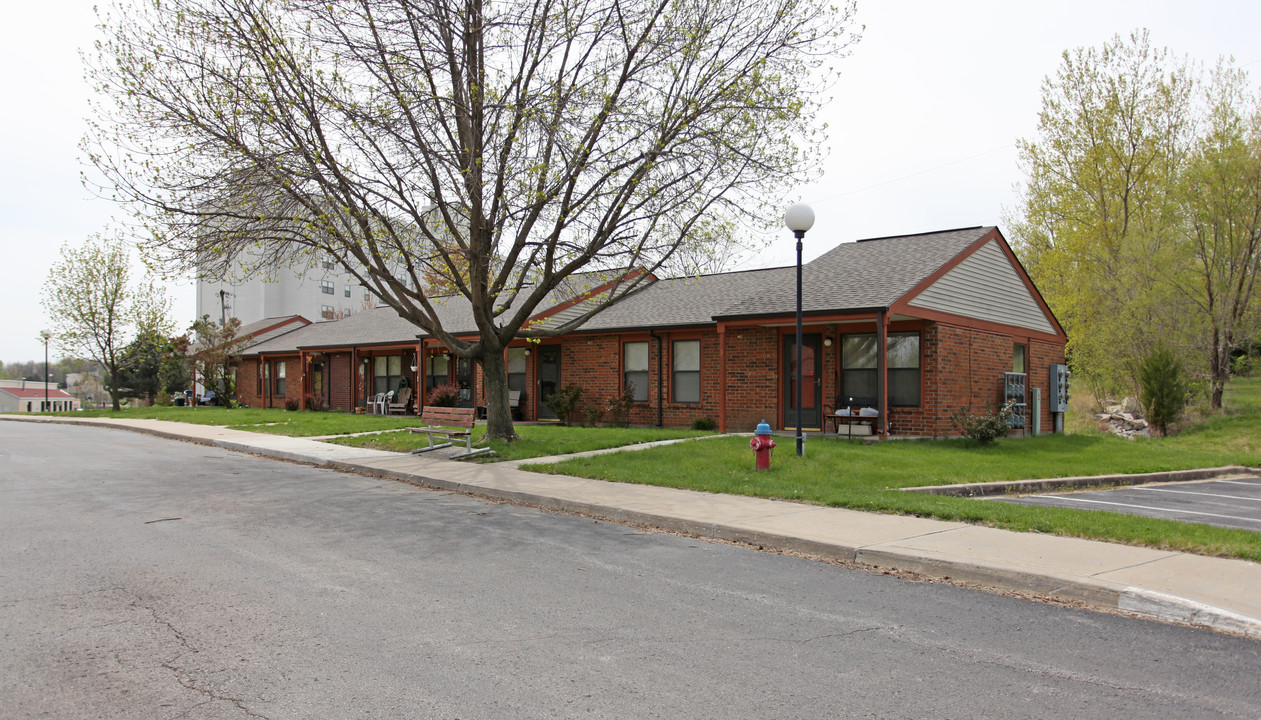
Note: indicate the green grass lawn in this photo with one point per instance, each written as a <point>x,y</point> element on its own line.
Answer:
<point>264,420</point>
<point>851,474</point>
<point>536,440</point>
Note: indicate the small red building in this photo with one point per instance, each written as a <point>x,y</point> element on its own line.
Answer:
<point>911,328</point>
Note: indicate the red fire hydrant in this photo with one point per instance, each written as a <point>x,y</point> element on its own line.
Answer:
<point>762,445</point>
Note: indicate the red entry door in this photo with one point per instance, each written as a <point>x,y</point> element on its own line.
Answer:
<point>811,380</point>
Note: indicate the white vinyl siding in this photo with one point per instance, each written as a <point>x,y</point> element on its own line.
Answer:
<point>986,286</point>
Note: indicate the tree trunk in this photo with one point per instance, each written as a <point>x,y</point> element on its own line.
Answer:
<point>1219,370</point>
<point>498,414</point>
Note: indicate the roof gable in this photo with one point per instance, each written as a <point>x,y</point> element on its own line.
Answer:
<point>862,275</point>
<point>987,286</point>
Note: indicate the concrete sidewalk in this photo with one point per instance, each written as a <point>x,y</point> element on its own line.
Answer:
<point>1171,586</point>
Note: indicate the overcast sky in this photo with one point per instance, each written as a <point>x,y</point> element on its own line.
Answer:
<point>923,123</point>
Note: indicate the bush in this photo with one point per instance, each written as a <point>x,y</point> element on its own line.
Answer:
<point>704,423</point>
<point>316,404</point>
<point>1241,366</point>
<point>619,409</point>
<point>563,402</point>
<point>291,404</point>
<point>443,396</point>
<point>987,427</point>
<point>1163,389</point>
<point>595,413</point>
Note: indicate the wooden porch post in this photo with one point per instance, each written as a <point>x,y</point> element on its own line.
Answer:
<point>722,378</point>
<point>882,368</point>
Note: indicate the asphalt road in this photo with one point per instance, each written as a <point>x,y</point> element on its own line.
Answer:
<point>146,578</point>
<point>1233,503</point>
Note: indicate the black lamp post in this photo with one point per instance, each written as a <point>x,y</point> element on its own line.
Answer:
<point>45,335</point>
<point>799,219</point>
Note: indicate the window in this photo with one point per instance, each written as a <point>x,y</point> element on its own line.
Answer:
<point>347,291</point>
<point>264,375</point>
<point>635,369</point>
<point>387,370</point>
<point>279,375</point>
<point>327,262</point>
<point>328,287</point>
<point>687,371</point>
<point>327,312</point>
<point>858,370</point>
<point>516,369</point>
<point>438,371</point>
<point>1018,358</point>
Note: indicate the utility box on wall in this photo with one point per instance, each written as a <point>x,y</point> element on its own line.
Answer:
<point>1057,400</point>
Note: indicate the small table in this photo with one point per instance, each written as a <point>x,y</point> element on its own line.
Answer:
<point>849,420</point>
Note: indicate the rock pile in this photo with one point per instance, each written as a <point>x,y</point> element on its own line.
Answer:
<point>1123,419</point>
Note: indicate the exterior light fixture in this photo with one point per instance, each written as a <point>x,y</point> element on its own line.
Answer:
<point>799,218</point>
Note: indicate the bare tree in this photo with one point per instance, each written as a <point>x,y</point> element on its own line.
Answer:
<point>503,147</point>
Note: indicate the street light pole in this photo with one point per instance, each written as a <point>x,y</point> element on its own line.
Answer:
<point>45,335</point>
<point>799,219</point>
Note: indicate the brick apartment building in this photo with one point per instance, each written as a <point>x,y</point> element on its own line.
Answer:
<point>912,328</point>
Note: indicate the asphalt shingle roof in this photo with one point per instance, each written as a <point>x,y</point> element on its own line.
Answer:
<point>864,274</point>
<point>852,276</point>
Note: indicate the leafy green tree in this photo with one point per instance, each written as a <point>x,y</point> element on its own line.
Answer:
<point>152,367</point>
<point>1164,390</point>
<point>1099,209</point>
<point>506,148</point>
<point>1221,196</point>
<point>212,352</point>
<point>96,309</point>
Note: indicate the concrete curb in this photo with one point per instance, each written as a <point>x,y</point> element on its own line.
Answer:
<point>1018,487</point>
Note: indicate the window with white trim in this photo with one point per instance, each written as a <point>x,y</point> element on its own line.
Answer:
<point>635,369</point>
<point>686,385</point>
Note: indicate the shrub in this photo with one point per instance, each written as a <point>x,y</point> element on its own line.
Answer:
<point>564,401</point>
<point>291,404</point>
<point>443,396</point>
<point>1241,366</point>
<point>594,413</point>
<point>987,427</point>
<point>1163,389</point>
<point>316,404</point>
<point>704,423</point>
<point>619,409</point>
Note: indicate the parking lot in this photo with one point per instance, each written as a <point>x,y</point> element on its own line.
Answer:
<point>1232,503</point>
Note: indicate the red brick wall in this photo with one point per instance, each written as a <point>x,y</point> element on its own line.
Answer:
<point>960,368</point>
<point>339,381</point>
<point>247,382</point>
<point>753,384</point>
<point>963,370</point>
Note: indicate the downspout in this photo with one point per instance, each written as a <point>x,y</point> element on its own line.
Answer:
<point>656,337</point>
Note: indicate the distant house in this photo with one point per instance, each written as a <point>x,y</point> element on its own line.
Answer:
<point>911,328</point>
<point>22,396</point>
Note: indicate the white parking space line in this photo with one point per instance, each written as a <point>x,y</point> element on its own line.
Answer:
<point>1253,482</point>
<point>1145,507</point>
<point>1188,492</point>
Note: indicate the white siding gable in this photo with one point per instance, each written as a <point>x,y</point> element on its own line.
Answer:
<point>985,286</point>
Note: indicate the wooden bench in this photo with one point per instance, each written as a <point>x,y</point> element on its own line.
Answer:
<point>439,422</point>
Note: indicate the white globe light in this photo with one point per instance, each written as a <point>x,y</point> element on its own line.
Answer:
<point>799,218</point>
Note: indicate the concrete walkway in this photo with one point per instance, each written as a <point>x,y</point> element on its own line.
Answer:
<point>1171,586</point>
